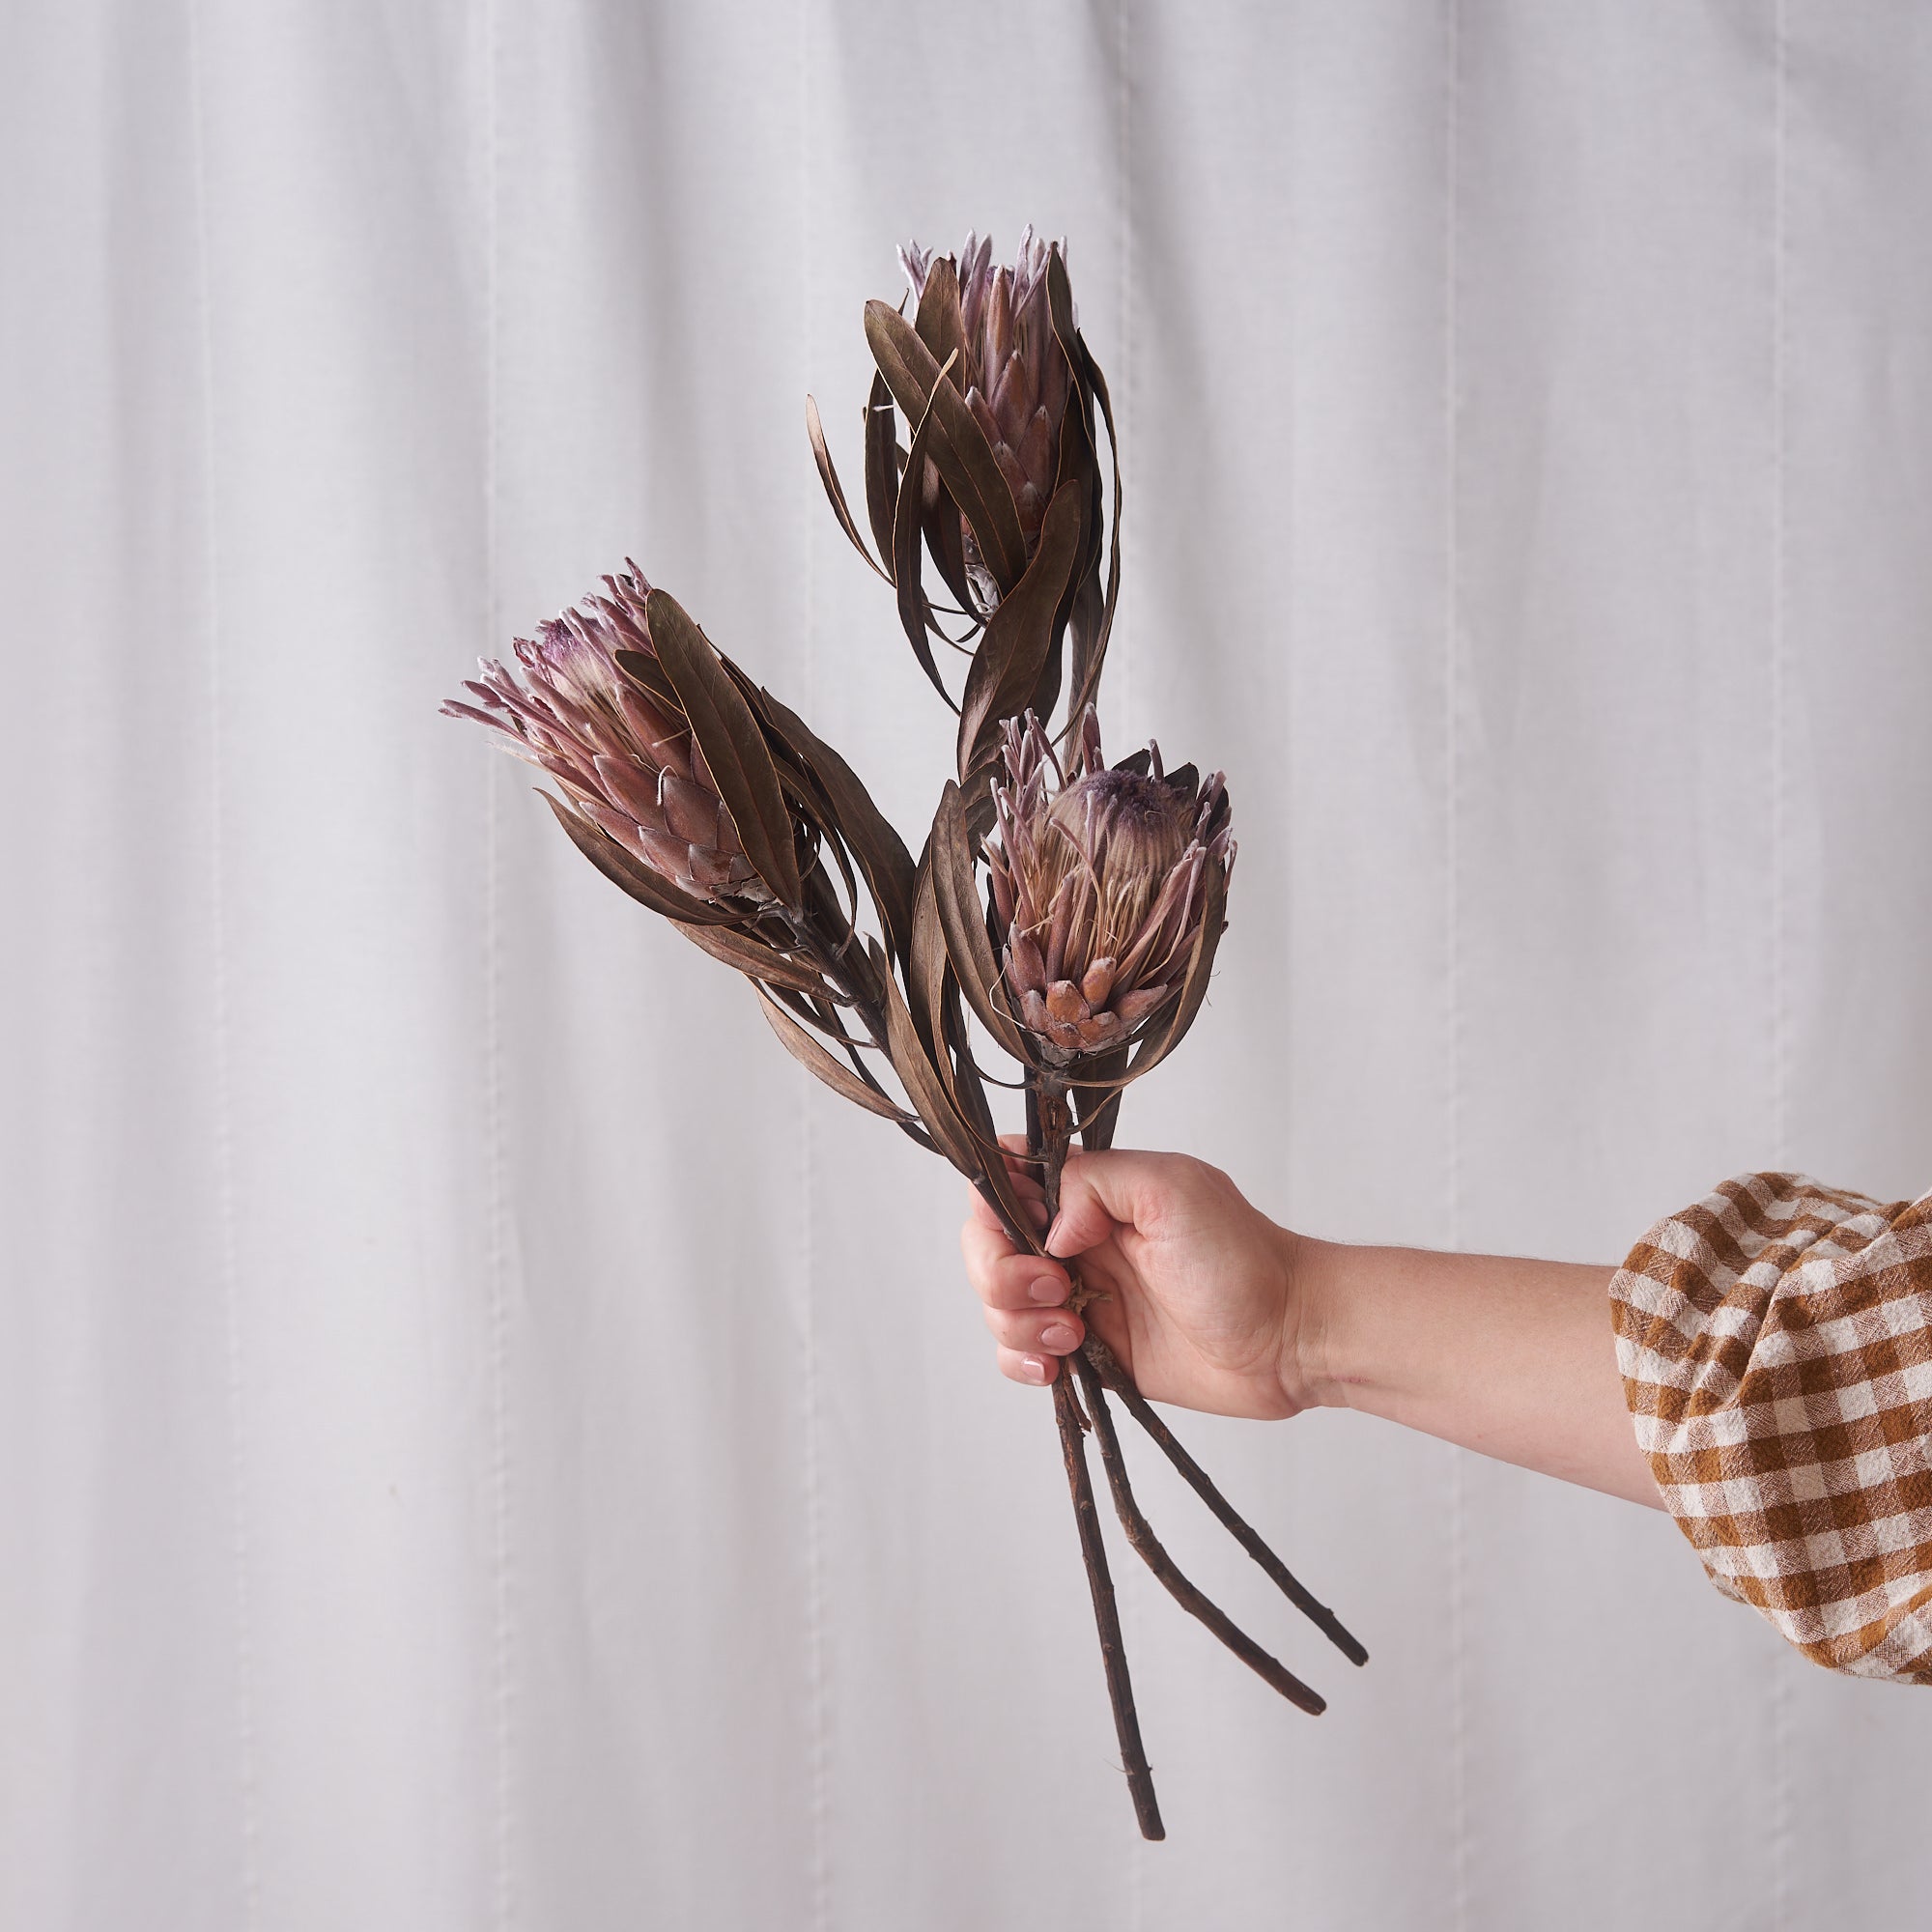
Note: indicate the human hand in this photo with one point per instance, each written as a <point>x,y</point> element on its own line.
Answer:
<point>1193,1288</point>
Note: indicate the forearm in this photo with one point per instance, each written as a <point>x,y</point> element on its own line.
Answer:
<point>1514,1359</point>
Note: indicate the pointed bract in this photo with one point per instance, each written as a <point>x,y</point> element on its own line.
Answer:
<point>623,754</point>
<point>1099,883</point>
<point>1012,374</point>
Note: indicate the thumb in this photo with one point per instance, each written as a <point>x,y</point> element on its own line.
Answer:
<point>1100,1192</point>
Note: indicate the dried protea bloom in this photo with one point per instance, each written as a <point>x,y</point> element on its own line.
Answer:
<point>625,758</point>
<point>1099,884</point>
<point>1012,373</point>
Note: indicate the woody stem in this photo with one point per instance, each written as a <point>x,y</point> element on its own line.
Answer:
<point>1049,1132</point>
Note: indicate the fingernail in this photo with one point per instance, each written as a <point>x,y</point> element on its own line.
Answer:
<point>1034,1367</point>
<point>1053,1234</point>
<point>1057,1337</point>
<point>1049,1289</point>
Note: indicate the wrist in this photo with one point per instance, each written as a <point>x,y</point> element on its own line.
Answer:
<point>1311,1371</point>
<point>1372,1329</point>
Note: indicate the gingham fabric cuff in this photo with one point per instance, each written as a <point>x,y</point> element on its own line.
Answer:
<point>1775,1346</point>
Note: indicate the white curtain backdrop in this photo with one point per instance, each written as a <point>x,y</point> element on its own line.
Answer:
<point>484,1441</point>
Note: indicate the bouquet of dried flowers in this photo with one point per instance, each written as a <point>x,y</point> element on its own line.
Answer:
<point>1064,910</point>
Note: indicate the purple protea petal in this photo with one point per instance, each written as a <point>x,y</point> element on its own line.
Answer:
<point>1135,1007</point>
<point>1092,758</point>
<point>690,810</point>
<point>630,785</point>
<point>669,854</point>
<point>511,698</point>
<point>1059,917</point>
<point>623,830</point>
<point>454,707</point>
<point>1100,884</point>
<point>916,263</point>
<point>1028,963</point>
<point>711,868</point>
<point>996,331</point>
<point>983,415</point>
<point>581,789</point>
<point>1002,887</point>
<point>1038,456</point>
<point>1018,483</point>
<point>623,753</point>
<point>1064,1002</point>
<point>1102,1031</point>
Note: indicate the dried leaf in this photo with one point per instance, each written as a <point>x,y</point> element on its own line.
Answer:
<point>749,955</point>
<point>648,675</point>
<point>914,615</point>
<point>882,470</point>
<point>1096,1104</point>
<point>979,485</point>
<point>946,541</point>
<point>1089,680</point>
<point>877,846</point>
<point>818,1060</point>
<point>1167,1033</point>
<point>962,917</point>
<point>921,1081</point>
<point>1019,635</point>
<point>1092,653</point>
<point>732,744</point>
<point>968,1094</point>
<point>935,1007</point>
<point>633,875</point>
<point>959,448</point>
<point>939,323</point>
<point>795,777</point>
<point>833,489</point>
<point>925,964</point>
<point>907,365</point>
<point>1078,465</point>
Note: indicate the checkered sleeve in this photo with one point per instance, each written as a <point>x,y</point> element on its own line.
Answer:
<point>1775,1346</point>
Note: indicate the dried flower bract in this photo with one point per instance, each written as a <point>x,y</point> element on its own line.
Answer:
<point>1011,369</point>
<point>1065,910</point>
<point>625,758</point>
<point>1099,878</point>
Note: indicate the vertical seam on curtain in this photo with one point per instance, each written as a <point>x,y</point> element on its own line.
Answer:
<point>1125,202</point>
<point>240,1559</point>
<point>818,1714</point>
<point>1458,1568</point>
<point>1778,1863</point>
<point>495,1126</point>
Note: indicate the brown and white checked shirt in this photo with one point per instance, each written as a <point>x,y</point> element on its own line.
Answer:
<point>1776,1345</point>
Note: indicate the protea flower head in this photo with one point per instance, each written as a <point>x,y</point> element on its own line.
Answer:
<point>625,757</point>
<point>1013,376</point>
<point>1099,883</point>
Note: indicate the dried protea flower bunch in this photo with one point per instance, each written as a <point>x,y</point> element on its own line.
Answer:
<point>1100,881</point>
<point>1015,377</point>
<point>1071,909</point>
<point>708,801</point>
<point>619,745</point>
<point>1000,485</point>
